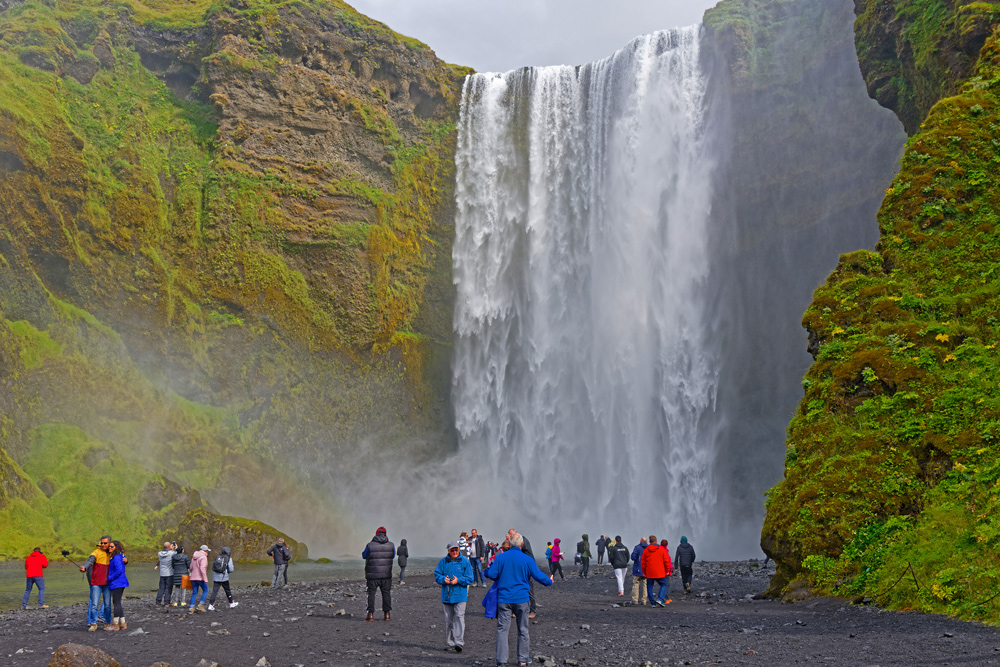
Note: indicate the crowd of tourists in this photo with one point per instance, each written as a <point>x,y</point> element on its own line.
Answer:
<point>469,562</point>
<point>512,567</point>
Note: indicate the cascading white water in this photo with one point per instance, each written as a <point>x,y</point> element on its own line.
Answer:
<point>585,370</point>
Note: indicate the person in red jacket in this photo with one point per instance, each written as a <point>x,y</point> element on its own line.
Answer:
<point>33,566</point>
<point>656,567</point>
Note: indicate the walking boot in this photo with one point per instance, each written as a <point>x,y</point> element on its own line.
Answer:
<point>369,616</point>
<point>122,625</point>
<point>387,618</point>
<point>201,607</point>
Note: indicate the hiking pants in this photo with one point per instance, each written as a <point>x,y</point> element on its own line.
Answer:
<point>661,594</point>
<point>686,575</point>
<point>556,566</point>
<point>584,566</point>
<point>639,590</point>
<point>385,585</point>
<point>519,611</point>
<point>279,576</point>
<point>215,591</point>
<point>165,590</point>
<point>477,571</point>
<point>454,623</point>
<point>195,585</point>
<point>116,602</point>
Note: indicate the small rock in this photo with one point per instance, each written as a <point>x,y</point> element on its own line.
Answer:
<point>215,624</point>
<point>267,634</point>
<point>340,612</point>
<point>585,627</point>
<point>207,663</point>
<point>263,662</point>
<point>136,633</point>
<point>949,634</point>
<point>571,661</point>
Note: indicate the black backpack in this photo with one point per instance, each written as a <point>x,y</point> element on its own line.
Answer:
<point>220,564</point>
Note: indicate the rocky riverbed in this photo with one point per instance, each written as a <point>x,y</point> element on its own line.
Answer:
<point>580,621</point>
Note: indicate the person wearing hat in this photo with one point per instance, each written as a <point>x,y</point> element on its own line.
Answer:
<point>199,578</point>
<point>454,574</point>
<point>684,558</point>
<point>281,555</point>
<point>378,557</point>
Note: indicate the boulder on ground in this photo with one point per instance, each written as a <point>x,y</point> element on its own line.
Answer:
<point>248,539</point>
<point>78,655</point>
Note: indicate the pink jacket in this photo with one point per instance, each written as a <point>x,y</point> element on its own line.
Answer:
<point>556,552</point>
<point>199,566</point>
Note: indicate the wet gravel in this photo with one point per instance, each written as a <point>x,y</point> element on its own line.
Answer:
<point>580,621</point>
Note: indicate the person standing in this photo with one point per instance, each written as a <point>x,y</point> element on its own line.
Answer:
<point>222,567</point>
<point>618,558</point>
<point>554,559</point>
<point>281,556</point>
<point>513,571</point>
<point>656,567</point>
<point>583,548</point>
<point>378,557</point>
<point>477,548</point>
<point>96,568</point>
<point>638,580</point>
<point>181,563</point>
<point>402,555</point>
<point>199,577</point>
<point>166,568</point>
<point>34,565</point>
<point>526,550</point>
<point>454,575</point>
<point>602,544</point>
<point>684,557</point>
<point>117,583</point>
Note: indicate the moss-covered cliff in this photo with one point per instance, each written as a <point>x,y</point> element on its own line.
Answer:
<point>893,458</point>
<point>225,257</point>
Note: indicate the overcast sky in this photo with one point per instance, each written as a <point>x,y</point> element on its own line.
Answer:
<point>499,35</point>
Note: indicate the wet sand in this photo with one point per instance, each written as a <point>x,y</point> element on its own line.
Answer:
<point>577,620</point>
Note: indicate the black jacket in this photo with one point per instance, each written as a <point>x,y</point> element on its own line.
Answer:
<point>684,556</point>
<point>619,555</point>
<point>378,558</point>
<point>403,552</point>
<point>601,544</point>
<point>182,565</point>
<point>526,548</point>
<point>280,554</point>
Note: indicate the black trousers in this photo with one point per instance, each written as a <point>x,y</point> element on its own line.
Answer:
<point>556,565</point>
<point>600,556</point>
<point>116,601</point>
<point>385,585</point>
<point>584,566</point>
<point>215,591</point>
<point>166,589</point>
<point>686,575</point>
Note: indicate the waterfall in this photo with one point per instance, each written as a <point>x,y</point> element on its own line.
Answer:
<point>586,369</point>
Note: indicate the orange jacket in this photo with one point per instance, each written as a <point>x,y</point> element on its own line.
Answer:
<point>655,562</point>
<point>34,563</point>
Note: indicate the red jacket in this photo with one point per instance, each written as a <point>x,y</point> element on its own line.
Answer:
<point>655,562</point>
<point>34,563</point>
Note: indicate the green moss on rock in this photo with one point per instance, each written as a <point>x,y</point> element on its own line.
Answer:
<point>249,540</point>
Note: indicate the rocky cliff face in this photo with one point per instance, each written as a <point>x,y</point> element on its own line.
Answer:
<point>226,250</point>
<point>892,457</point>
<point>914,53</point>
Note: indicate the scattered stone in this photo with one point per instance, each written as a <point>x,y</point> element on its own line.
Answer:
<point>78,655</point>
<point>340,612</point>
<point>571,661</point>
<point>207,663</point>
<point>263,662</point>
<point>585,627</point>
<point>267,634</point>
<point>136,633</point>
<point>949,634</point>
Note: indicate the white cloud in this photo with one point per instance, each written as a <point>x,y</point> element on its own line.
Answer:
<point>500,35</point>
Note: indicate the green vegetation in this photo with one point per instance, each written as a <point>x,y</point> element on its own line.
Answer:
<point>187,291</point>
<point>892,459</point>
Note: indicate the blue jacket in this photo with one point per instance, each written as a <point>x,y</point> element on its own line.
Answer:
<point>636,555</point>
<point>513,570</point>
<point>461,568</point>
<point>116,573</point>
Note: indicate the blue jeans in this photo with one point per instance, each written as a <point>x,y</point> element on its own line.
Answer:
<point>477,572</point>
<point>99,594</point>
<point>662,593</point>
<point>36,581</point>
<point>195,585</point>
<point>519,610</point>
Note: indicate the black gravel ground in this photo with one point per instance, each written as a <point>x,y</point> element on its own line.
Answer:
<point>579,622</point>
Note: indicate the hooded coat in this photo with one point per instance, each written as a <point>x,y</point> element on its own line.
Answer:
<point>35,563</point>
<point>224,576</point>
<point>403,552</point>
<point>461,569</point>
<point>618,555</point>
<point>684,556</point>
<point>636,555</point>
<point>656,562</point>
<point>583,546</point>
<point>556,551</point>
<point>378,557</point>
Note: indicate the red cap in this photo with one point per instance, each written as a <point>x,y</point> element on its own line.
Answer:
<point>380,530</point>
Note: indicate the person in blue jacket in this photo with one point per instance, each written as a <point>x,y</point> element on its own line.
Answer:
<point>639,595</point>
<point>117,583</point>
<point>454,574</point>
<point>513,571</point>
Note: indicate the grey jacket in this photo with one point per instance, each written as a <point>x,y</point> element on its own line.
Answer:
<point>166,562</point>
<point>224,576</point>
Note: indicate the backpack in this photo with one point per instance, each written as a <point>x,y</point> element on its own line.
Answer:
<point>220,564</point>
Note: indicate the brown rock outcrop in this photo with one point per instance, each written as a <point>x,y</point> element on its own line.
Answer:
<point>78,655</point>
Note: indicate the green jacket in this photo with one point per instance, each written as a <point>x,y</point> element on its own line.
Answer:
<point>583,546</point>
